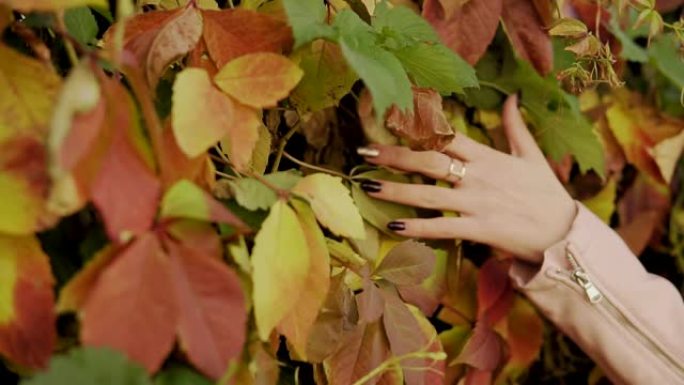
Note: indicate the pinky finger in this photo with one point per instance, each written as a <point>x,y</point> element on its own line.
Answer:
<point>437,228</point>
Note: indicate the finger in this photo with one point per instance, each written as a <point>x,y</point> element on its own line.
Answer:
<point>432,164</point>
<point>419,195</point>
<point>462,147</point>
<point>520,140</point>
<point>437,228</point>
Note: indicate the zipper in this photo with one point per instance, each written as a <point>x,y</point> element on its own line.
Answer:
<point>596,297</point>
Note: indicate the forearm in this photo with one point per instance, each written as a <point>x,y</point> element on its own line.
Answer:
<point>597,292</point>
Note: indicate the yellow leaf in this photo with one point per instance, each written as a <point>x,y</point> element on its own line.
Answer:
<point>53,5</point>
<point>603,203</point>
<point>27,93</point>
<point>259,79</point>
<point>332,204</point>
<point>202,115</point>
<point>280,265</point>
<point>27,319</point>
<point>297,324</point>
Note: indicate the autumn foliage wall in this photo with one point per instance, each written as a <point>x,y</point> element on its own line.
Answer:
<point>179,183</point>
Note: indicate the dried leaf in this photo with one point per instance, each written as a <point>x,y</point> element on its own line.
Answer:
<point>260,79</point>
<point>27,318</point>
<point>524,333</point>
<point>364,349</point>
<point>370,302</point>
<point>484,349</point>
<point>494,291</point>
<point>424,128</point>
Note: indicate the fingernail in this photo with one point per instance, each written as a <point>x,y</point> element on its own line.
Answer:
<point>368,185</point>
<point>396,226</point>
<point>368,152</point>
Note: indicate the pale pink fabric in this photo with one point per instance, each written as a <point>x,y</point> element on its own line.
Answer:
<point>649,302</point>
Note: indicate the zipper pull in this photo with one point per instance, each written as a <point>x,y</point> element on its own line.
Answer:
<point>582,278</point>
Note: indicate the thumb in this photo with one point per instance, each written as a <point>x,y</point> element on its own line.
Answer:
<point>520,140</point>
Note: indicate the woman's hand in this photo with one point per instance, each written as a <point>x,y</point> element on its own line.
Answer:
<point>512,202</point>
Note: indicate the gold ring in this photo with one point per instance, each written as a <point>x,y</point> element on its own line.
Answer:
<point>454,175</point>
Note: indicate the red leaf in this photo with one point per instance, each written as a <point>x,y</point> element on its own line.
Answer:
<point>198,236</point>
<point>484,350</point>
<point>478,377</point>
<point>525,30</point>
<point>469,29</point>
<point>125,190</point>
<point>494,291</point>
<point>27,318</point>
<point>140,32</point>
<point>130,308</point>
<point>213,317</point>
<point>236,32</point>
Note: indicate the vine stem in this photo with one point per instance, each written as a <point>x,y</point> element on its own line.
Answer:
<point>387,364</point>
<point>281,147</point>
<point>317,168</point>
<point>283,194</point>
<point>495,86</point>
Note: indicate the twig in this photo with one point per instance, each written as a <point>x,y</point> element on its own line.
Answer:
<point>317,168</point>
<point>223,174</point>
<point>281,147</point>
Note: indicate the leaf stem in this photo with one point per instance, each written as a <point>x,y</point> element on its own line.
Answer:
<point>495,86</point>
<point>387,364</point>
<point>281,147</point>
<point>317,168</point>
<point>284,194</point>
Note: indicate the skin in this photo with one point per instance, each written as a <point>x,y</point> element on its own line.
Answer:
<point>513,202</point>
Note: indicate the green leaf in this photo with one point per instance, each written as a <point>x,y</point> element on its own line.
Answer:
<point>254,195</point>
<point>560,126</point>
<point>380,70</point>
<point>307,18</point>
<point>438,67</point>
<point>630,50</point>
<point>378,212</point>
<point>280,265</point>
<point>664,54</point>
<point>81,24</point>
<point>403,21</point>
<point>88,366</point>
<point>179,375</point>
<point>331,203</point>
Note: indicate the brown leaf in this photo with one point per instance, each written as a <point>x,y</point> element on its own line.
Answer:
<point>370,302</point>
<point>235,32</point>
<point>460,300</point>
<point>642,210</point>
<point>424,128</point>
<point>408,263</point>
<point>467,29</point>
<point>525,29</point>
<point>363,350</point>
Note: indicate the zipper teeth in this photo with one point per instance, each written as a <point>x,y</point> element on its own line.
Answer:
<point>623,320</point>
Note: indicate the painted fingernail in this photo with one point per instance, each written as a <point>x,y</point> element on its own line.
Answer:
<point>368,152</point>
<point>368,185</point>
<point>396,226</point>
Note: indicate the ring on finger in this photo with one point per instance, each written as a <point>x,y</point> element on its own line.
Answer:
<point>455,173</point>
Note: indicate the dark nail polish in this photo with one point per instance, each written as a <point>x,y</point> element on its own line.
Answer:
<point>396,226</point>
<point>371,185</point>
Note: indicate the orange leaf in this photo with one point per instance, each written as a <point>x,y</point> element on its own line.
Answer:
<point>143,323</point>
<point>260,79</point>
<point>424,128</point>
<point>235,32</point>
<point>74,294</point>
<point>140,31</point>
<point>460,300</point>
<point>242,137</point>
<point>125,190</point>
<point>525,30</point>
<point>468,29</point>
<point>484,349</point>
<point>523,329</point>
<point>213,318</point>
<point>27,319</point>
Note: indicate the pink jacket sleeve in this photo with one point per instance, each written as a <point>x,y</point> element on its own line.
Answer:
<point>596,291</point>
